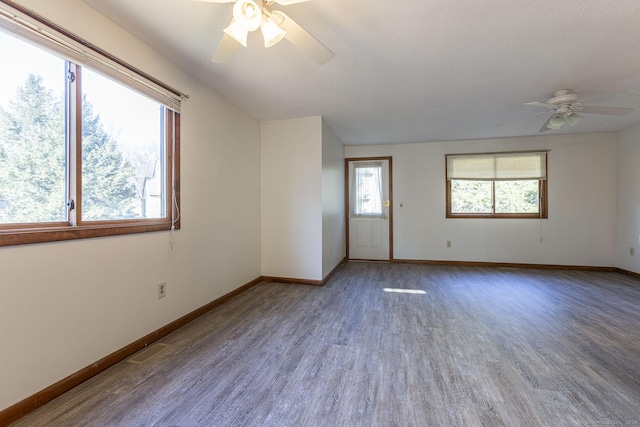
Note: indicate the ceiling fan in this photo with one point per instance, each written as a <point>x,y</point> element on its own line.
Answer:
<point>565,106</point>
<point>249,15</point>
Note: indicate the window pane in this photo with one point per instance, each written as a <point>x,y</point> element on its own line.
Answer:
<point>123,166</point>
<point>471,197</point>
<point>368,190</point>
<point>517,196</point>
<point>32,134</point>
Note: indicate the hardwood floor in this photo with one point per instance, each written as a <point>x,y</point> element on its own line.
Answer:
<point>479,347</point>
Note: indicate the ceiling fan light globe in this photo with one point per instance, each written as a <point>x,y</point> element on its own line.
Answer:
<point>247,14</point>
<point>271,32</point>
<point>237,32</point>
<point>556,122</point>
<point>573,119</point>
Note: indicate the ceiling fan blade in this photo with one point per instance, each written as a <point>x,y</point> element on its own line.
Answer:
<point>544,127</point>
<point>540,104</point>
<point>226,50</point>
<point>604,98</point>
<point>609,111</point>
<point>288,2</point>
<point>521,118</point>
<point>610,97</point>
<point>301,39</point>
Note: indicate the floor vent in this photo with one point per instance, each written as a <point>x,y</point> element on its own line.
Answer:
<point>143,355</point>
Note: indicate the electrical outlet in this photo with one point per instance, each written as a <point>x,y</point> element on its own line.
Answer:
<point>448,243</point>
<point>162,290</point>
<point>632,251</point>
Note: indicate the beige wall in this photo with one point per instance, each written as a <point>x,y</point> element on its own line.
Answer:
<point>65,305</point>
<point>581,229</point>
<point>629,199</point>
<point>292,198</point>
<point>333,205</point>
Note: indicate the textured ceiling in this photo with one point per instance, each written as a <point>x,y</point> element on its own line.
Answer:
<point>412,70</point>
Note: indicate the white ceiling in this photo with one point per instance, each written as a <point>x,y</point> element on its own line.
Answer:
<point>412,70</point>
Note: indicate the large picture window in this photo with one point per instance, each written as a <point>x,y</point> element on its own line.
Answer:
<point>497,185</point>
<point>82,154</point>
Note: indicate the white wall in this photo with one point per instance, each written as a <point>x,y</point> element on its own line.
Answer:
<point>333,204</point>
<point>581,229</point>
<point>292,198</point>
<point>629,199</point>
<point>66,305</point>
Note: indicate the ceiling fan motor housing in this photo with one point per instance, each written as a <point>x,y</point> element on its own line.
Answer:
<point>563,96</point>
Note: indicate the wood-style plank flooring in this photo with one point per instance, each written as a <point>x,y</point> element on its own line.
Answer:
<point>479,347</point>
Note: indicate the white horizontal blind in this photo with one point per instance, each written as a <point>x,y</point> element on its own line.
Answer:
<point>74,49</point>
<point>497,166</point>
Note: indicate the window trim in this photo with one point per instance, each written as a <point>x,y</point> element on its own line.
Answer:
<point>542,193</point>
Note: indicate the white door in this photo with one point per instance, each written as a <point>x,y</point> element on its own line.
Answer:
<point>369,209</point>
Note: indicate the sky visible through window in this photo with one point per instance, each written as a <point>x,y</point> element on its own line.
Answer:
<point>125,114</point>
<point>21,60</point>
<point>131,120</point>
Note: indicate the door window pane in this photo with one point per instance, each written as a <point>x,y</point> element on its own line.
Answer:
<point>32,134</point>
<point>368,190</point>
<point>123,170</point>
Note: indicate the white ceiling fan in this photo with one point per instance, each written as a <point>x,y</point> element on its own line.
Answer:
<point>249,15</point>
<point>565,106</point>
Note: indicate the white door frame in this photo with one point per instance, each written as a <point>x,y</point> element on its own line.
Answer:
<point>346,197</point>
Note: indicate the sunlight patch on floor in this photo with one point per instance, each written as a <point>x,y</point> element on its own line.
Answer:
<point>405,291</point>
